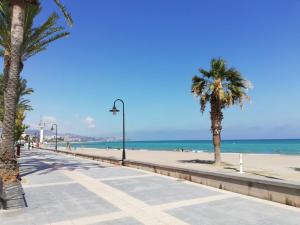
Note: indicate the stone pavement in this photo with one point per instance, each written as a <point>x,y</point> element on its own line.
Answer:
<point>66,190</point>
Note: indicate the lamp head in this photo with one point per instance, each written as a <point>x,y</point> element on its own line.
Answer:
<point>114,110</point>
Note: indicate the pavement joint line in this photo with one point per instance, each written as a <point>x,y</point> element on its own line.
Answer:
<point>266,202</point>
<point>131,206</point>
<point>47,184</point>
<point>92,160</point>
<point>233,194</point>
<point>195,201</point>
<point>125,177</point>
<point>93,219</point>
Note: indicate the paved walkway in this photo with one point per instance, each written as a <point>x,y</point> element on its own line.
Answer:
<point>66,190</point>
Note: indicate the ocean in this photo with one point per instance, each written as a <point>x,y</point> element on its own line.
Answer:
<point>287,146</point>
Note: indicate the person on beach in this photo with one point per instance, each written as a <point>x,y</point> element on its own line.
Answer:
<point>68,146</point>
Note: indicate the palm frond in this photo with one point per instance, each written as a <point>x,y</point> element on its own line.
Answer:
<point>222,84</point>
<point>22,102</point>
<point>65,12</point>
<point>205,73</point>
<point>218,66</point>
<point>36,39</point>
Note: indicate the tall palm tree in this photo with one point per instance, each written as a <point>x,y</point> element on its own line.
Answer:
<point>222,87</point>
<point>8,164</point>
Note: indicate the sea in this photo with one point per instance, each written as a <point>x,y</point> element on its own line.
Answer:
<point>278,146</point>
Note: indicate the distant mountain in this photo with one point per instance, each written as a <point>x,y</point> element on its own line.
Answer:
<point>70,136</point>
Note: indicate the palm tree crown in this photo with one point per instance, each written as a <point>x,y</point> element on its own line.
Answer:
<point>220,85</point>
<point>38,3</point>
<point>35,39</point>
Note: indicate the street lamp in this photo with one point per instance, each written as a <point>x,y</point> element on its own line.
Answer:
<point>52,128</point>
<point>114,111</point>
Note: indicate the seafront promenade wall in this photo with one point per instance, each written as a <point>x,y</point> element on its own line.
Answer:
<point>282,192</point>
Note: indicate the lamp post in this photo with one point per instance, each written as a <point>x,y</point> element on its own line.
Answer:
<point>52,128</point>
<point>114,110</point>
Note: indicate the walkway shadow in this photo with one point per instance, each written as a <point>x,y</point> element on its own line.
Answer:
<point>30,165</point>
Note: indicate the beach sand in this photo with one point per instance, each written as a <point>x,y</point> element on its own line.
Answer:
<point>279,167</point>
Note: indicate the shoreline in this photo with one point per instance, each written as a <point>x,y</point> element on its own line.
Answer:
<point>185,150</point>
<point>245,146</point>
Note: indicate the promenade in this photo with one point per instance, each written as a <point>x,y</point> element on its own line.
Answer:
<point>63,189</point>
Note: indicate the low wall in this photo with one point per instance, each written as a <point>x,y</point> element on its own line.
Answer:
<point>281,192</point>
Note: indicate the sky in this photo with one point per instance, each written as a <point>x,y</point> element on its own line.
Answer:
<point>146,52</point>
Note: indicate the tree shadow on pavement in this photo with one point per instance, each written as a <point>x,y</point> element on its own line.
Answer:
<point>43,163</point>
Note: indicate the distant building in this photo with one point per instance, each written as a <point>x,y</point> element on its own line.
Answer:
<point>71,139</point>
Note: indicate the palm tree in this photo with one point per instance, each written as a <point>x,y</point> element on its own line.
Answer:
<point>8,164</point>
<point>222,87</point>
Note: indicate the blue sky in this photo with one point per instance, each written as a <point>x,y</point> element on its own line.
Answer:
<point>146,52</point>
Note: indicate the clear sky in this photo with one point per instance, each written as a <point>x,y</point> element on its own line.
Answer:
<point>147,51</point>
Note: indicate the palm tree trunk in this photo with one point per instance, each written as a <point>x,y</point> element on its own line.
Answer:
<point>216,116</point>
<point>8,164</point>
<point>6,68</point>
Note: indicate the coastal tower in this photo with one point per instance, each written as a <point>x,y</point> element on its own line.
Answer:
<point>42,126</point>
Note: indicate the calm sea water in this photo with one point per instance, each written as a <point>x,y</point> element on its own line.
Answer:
<point>243,146</point>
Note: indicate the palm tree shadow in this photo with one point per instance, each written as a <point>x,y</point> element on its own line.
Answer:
<point>199,161</point>
<point>296,168</point>
<point>254,173</point>
<point>29,165</point>
<point>231,168</point>
<point>266,176</point>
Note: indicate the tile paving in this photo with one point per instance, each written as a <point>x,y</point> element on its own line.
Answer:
<point>157,190</point>
<point>66,190</point>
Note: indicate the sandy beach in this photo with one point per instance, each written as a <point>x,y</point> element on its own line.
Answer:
<point>279,167</point>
